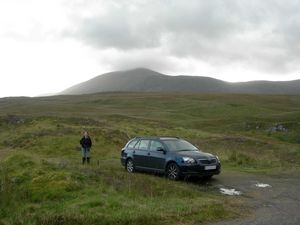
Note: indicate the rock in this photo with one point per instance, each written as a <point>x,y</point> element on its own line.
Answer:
<point>13,119</point>
<point>277,128</point>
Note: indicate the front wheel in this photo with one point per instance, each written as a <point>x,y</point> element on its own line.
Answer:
<point>173,171</point>
<point>130,166</point>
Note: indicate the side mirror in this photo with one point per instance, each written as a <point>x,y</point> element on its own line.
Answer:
<point>160,149</point>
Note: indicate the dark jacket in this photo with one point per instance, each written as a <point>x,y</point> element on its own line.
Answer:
<point>86,142</point>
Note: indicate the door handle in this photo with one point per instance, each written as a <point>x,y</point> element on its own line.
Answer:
<point>133,152</point>
<point>148,153</point>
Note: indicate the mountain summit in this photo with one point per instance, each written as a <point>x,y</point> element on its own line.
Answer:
<point>145,80</point>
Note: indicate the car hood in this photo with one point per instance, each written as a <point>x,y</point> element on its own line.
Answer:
<point>195,154</point>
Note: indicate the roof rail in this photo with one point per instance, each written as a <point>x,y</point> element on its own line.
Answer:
<point>163,136</point>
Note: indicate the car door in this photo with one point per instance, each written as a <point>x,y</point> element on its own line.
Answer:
<point>156,158</point>
<point>140,153</point>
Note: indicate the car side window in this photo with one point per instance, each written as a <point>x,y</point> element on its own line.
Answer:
<point>132,144</point>
<point>154,145</point>
<point>136,146</point>
<point>143,145</point>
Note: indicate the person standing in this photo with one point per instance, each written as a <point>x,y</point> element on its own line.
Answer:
<point>86,144</point>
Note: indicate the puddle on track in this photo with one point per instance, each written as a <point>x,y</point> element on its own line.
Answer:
<point>232,191</point>
<point>261,185</point>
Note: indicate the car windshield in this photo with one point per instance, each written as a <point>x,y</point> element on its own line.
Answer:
<point>176,145</point>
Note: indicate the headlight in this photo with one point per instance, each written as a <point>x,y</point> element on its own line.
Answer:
<point>217,158</point>
<point>188,160</point>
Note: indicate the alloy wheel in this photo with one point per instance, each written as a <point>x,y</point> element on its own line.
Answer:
<point>173,172</point>
<point>130,166</point>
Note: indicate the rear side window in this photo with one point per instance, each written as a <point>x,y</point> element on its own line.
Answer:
<point>132,143</point>
<point>155,145</point>
<point>143,145</point>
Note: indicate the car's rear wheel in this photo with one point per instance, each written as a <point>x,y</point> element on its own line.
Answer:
<point>173,171</point>
<point>130,166</point>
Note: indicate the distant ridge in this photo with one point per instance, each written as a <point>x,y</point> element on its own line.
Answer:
<point>145,80</point>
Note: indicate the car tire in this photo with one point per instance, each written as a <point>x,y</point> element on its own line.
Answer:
<point>130,166</point>
<point>173,171</point>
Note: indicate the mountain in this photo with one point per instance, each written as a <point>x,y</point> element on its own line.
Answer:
<point>145,80</point>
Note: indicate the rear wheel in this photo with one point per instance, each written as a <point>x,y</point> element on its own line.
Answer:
<point>130,166</point>
<point>173,171</point>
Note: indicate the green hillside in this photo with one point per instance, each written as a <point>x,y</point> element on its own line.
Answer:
<point>43,182</point>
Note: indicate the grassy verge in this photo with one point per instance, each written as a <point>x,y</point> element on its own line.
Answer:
<point>38,190</point>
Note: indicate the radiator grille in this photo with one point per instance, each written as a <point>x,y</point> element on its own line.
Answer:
<point>207,161</point>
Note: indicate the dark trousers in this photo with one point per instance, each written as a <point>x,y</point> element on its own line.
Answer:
<point>85,152</point>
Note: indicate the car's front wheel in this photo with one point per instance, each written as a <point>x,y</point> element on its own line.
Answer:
<point>173,171</point>
<point>130,166</point>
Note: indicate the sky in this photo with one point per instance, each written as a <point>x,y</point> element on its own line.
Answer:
<point>48,46</point>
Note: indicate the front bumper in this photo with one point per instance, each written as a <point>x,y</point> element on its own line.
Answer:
<point>199,170</point>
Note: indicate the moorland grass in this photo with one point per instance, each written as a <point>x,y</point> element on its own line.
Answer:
<point>43,182</point>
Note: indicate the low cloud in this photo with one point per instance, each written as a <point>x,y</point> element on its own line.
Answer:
<point>261,36</point>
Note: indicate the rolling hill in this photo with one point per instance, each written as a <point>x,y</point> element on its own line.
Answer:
<point>145,80</point>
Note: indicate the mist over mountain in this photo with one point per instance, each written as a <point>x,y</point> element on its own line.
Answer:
<point>145,80</point>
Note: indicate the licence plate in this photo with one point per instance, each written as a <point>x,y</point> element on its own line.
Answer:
<point>210,167</point>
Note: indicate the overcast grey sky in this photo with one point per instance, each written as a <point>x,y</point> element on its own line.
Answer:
<point>47,46</point>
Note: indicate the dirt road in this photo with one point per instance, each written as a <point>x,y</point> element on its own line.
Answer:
<point>277,204</point>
